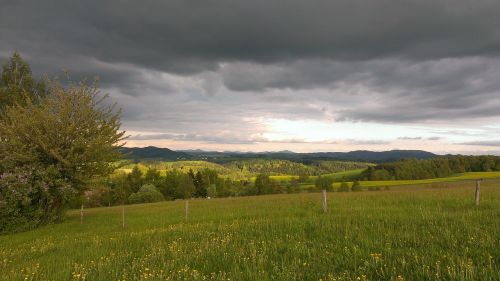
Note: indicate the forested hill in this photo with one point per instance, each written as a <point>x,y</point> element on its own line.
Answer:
<point>156,153</point>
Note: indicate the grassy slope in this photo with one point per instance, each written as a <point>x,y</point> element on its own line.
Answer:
<point>182,166</point>
<point>421,233</point>
<point>335,176</point>
<point>460,177</point>
<point>185,166</point>
<point>229,169</point>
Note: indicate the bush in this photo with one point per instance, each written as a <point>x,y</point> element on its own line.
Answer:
<point>30,197</point>
<point>344,187</point>
<point>356,186</point>
<point>146,194</point>
<point>98,196</point>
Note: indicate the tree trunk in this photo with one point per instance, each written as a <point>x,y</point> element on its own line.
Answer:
<point>123,215</point>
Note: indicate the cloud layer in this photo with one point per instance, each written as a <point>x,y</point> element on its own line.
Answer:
<point>217,71</point>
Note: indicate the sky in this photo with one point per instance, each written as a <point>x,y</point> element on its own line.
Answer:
<point>261,75</point>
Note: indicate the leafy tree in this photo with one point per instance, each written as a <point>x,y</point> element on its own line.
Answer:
<point>303,177</point>
<point>200,185</point>
<point>225,187</point>
<point>58,145</point>
<point>212,190</point>
<point>263,185</point>
<point>146,194</point>
<point>488,165</point>
<point>135,179</point>
<point>120,187</point>
<point>153,177</point>
<point>293,186</point>
<point>356,186</point>
<point>170,185</point>
<point>380,175</point>
<point>97,195</point>
<point>186,187</point>
<point>324,183</point>
<point>17,83</point>
<point>344,187</point>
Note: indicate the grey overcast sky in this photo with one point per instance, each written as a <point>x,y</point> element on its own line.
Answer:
<point>259,75</point>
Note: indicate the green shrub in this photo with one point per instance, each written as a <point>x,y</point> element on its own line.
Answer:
<point>146,194</point>
<point>344,187</point>
<point>356,186</point>
<point>30,197</point>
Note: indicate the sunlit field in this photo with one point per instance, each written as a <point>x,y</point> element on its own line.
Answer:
<point>406,233</point>
<point>437,181</point>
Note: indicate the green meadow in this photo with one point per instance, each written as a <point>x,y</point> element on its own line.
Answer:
<point>471,176</point>
<point>348,175</point>
<point>424,232</point>
<point>339,176</point>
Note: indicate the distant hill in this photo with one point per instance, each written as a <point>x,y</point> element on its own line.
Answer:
<point>155,153</point>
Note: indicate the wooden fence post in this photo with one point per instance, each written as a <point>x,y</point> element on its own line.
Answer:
<point>81,214</point>
<point>186,210</point>
<point>478,190</point>
<point>123,215</point>
<point>325,206</point>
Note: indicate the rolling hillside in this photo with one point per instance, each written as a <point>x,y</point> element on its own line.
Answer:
<point>156,153</point>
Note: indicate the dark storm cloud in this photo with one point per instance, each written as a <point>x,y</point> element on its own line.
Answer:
<point>398,90</point>
<point>185,36</point>
<point>190,65</point>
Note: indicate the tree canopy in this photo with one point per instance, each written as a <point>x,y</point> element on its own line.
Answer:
<point>444,166</point>
<point>53,146</point>
<point>17,83</point>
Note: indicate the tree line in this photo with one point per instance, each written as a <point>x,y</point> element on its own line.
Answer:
<point>154,186</point>
<point>287,167</point>
<point>444,166</point>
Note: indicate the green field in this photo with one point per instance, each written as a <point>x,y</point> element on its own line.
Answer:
<point>406,233</point>
<point>459,177</point>
<point>338,177</point>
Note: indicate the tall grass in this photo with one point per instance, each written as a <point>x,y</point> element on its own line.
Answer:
<point>406,233</point>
